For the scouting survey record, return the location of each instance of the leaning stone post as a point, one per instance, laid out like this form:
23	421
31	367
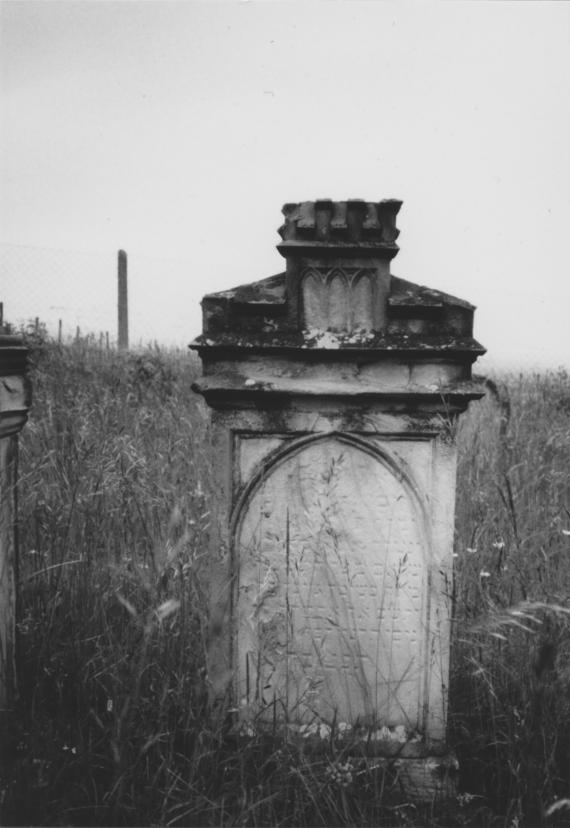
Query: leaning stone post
14	406
334	389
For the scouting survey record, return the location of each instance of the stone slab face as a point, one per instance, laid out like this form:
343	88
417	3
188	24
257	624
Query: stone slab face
330	587
332	581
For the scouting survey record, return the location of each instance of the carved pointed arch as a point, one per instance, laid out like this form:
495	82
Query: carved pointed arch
281	454
362	305
313	292
338	301
331	555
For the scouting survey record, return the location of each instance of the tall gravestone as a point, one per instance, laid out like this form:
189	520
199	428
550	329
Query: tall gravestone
14	406
334	390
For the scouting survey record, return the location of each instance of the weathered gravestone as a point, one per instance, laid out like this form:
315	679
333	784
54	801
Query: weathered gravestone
334	389
14	406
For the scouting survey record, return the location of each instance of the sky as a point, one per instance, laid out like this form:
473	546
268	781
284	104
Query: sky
177	130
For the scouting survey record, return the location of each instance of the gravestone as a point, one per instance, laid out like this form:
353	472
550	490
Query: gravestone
14	406
334	389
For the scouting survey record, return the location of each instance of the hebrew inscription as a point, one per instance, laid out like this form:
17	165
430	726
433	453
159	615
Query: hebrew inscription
331	591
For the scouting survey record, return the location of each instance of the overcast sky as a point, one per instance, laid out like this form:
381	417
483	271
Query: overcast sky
176	130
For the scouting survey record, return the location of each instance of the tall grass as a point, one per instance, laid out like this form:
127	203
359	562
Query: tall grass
510	691
112	725
112	518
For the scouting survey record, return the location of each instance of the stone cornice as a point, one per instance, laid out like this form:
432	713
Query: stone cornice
328	250
325	346
12	422
13	355
224	391
336	309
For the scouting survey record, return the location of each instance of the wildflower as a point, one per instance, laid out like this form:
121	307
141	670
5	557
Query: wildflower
340	773
472	549
484	574
109	705
465	798
247	729
400	734
498	544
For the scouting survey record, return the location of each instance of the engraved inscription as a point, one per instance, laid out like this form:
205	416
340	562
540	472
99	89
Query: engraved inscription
330	593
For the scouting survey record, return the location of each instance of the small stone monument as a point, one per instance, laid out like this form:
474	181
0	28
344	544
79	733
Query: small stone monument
14	406
334	390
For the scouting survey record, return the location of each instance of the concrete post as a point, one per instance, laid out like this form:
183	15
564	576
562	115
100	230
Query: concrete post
123	302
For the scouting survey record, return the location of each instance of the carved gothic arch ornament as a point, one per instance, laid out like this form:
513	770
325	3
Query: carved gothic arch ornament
349	275
340	298
279	456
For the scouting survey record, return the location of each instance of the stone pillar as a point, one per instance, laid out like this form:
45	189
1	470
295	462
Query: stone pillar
14	405
334	390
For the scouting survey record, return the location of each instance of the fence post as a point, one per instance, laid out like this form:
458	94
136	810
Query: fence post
123	302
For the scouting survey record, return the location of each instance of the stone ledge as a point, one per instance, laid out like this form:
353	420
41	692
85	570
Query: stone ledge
328	342
13	355
227	391
317	388
12	422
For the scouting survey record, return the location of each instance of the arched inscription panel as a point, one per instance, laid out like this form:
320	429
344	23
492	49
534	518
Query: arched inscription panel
330	594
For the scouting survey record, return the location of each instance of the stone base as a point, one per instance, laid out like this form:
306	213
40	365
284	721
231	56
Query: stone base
427	779
418	771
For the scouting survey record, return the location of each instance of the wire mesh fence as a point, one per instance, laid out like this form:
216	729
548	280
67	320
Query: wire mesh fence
71	290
